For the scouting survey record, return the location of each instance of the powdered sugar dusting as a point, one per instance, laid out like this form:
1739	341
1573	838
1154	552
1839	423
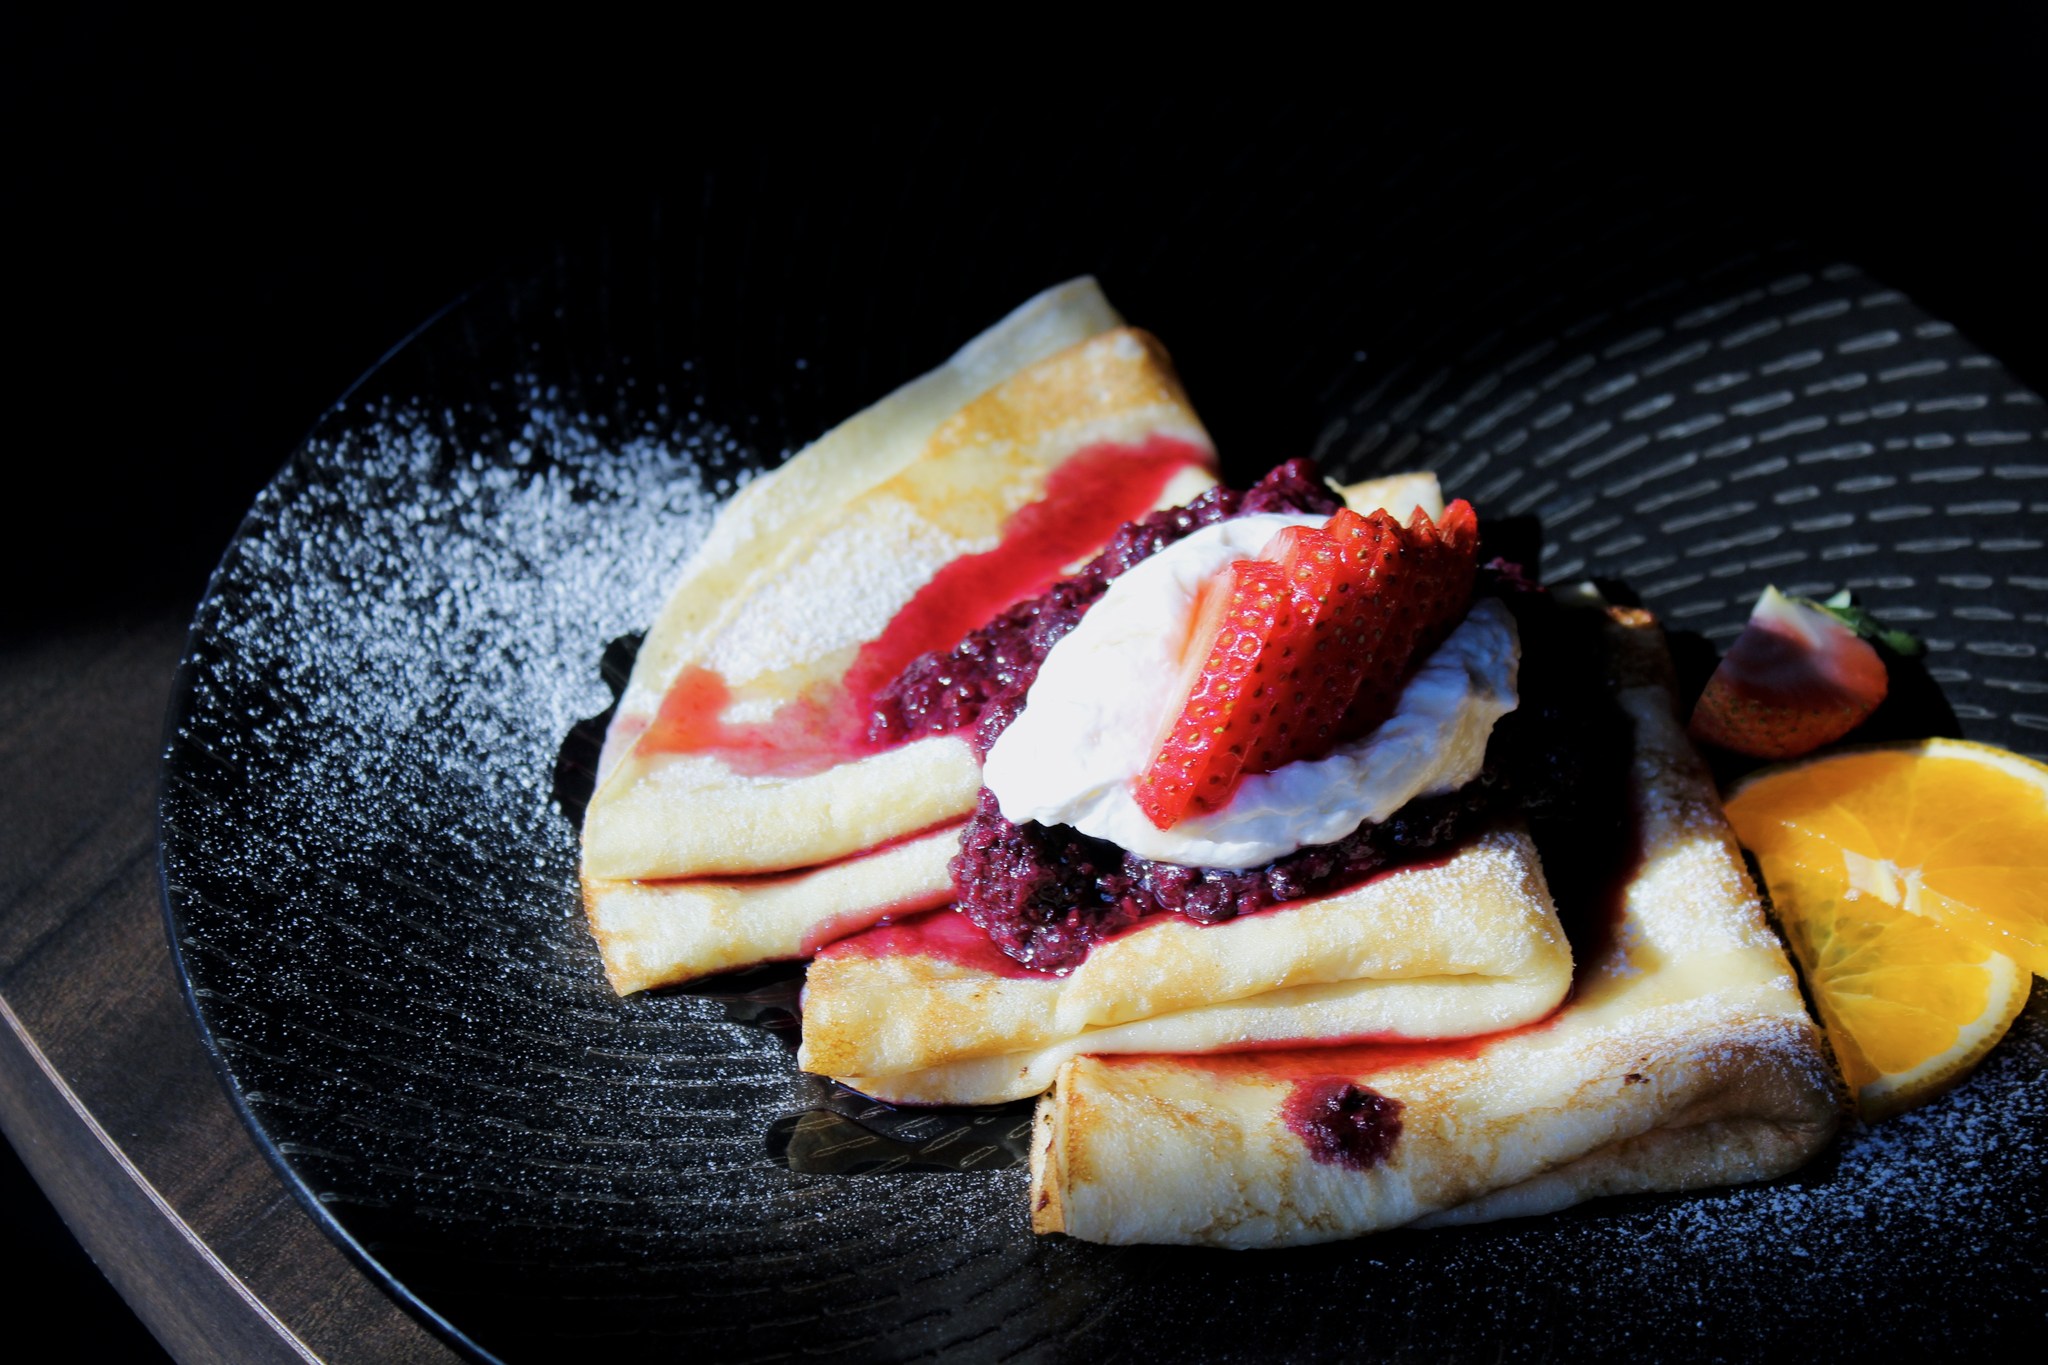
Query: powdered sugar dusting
405	552
376	906
376	901
844	595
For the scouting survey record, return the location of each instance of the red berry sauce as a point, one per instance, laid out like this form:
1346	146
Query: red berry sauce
986	675
937	934
1342	1122
1045	893
803	736
1087	498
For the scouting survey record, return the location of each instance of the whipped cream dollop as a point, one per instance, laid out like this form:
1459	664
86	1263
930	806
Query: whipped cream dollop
1093	719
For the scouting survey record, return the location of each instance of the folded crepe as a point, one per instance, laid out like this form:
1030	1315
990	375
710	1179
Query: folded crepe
1469	944
660	931
805	572
695	863
1685	1059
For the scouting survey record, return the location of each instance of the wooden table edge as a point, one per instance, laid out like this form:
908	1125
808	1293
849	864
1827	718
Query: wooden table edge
160	1265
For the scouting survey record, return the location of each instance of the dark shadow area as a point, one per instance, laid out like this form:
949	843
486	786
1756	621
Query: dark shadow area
576	762
224	235
1913	708
768	996
846	1133
49	1271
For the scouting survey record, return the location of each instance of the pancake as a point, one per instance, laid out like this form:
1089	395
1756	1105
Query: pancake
1467	945
1685	1059
788	503
662	933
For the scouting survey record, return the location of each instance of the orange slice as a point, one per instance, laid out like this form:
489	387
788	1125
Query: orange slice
1912	881
1909	1007
1954	831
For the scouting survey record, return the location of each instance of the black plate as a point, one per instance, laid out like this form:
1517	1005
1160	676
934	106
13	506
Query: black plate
372	893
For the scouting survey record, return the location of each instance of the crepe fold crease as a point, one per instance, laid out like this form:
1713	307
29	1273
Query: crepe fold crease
1685	1059
1467	944
689	861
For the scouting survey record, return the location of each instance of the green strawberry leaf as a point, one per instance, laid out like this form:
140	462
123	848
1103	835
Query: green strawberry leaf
1844	609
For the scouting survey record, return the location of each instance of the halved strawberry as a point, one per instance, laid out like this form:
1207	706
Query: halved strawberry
1224	706
1795	679
1420	579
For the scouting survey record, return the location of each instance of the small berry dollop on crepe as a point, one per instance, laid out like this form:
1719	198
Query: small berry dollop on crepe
1801	674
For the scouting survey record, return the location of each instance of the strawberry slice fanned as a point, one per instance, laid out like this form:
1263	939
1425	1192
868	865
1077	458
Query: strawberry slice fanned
1317	664
1419	586
1226	701
1305	647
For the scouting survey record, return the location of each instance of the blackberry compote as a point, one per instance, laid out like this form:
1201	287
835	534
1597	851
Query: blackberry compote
940	693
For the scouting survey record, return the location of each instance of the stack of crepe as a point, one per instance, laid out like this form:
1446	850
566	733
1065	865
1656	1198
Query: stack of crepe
695	864
1685	1059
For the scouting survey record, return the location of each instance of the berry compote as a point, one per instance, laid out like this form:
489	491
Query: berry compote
939	693
1343	1123
1045	893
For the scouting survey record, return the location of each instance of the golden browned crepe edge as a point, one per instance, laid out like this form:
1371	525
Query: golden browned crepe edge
653	934
673	932
784	503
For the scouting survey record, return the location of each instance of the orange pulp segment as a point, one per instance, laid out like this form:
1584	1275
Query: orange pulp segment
1953	831
1909	1007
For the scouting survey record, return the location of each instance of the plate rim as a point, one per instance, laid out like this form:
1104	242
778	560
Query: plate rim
178	709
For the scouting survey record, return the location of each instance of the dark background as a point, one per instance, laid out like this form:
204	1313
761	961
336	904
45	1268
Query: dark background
218	229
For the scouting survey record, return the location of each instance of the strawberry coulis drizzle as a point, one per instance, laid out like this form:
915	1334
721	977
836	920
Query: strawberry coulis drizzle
1348	1058
1086	499
940	934
853	922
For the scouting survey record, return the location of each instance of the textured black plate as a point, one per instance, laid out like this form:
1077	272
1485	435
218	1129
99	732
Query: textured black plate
372	893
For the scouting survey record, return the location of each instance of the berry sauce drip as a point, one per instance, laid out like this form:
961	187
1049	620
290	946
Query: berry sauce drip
985	676
1044	893
1087	499
1343	1123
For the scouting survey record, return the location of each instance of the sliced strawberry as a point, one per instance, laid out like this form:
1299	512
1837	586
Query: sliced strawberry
1311	674
1304	647
1795	679
1458	531
1420	580
1225	704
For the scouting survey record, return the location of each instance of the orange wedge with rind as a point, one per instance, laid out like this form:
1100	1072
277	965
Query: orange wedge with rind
1912	883
1909	1007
